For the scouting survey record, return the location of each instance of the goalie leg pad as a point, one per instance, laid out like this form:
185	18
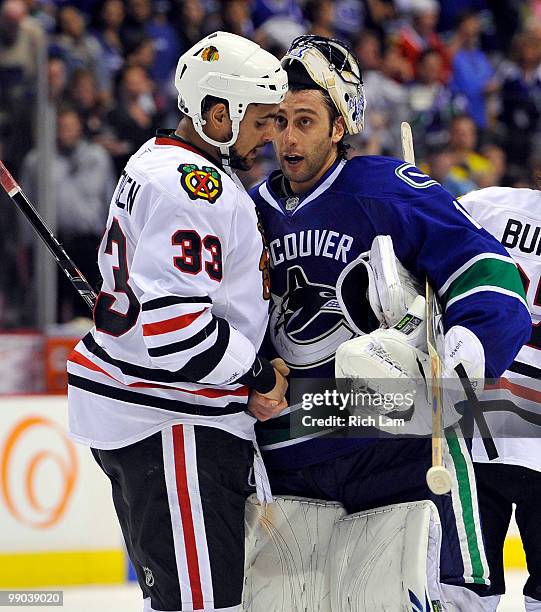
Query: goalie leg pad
287	545
386	559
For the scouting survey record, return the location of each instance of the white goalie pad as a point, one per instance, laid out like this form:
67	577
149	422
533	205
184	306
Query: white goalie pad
387	559
376	289
287	544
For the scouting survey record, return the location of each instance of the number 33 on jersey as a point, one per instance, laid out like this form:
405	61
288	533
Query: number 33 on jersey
181	226
184	295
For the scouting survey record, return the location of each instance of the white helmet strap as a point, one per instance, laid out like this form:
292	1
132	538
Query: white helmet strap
199	122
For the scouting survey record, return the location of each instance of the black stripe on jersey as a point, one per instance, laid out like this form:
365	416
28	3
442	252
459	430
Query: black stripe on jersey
202	365
183	345
196	368
171	300
133	397
131	369
525	369
498	405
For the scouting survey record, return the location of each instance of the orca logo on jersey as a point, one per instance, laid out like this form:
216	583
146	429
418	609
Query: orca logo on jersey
306	322
201	183
414	177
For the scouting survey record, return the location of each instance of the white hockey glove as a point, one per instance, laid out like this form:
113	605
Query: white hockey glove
393	362
375	289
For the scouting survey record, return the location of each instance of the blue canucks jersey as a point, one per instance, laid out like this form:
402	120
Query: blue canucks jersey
311	238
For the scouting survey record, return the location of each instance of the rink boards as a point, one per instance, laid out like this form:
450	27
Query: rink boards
57	523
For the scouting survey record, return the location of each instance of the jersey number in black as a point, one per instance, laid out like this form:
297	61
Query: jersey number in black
108	320
191	260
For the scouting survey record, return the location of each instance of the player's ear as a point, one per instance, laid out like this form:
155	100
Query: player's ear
217	118
338	130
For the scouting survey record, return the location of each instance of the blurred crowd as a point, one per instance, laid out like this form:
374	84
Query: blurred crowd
466	74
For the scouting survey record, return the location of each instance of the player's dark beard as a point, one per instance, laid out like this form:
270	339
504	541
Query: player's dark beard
236	161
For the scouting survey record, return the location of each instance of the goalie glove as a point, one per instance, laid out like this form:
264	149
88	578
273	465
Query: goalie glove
394	362
375	289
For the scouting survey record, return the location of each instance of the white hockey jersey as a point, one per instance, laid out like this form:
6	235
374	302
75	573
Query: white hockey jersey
513	411
183	306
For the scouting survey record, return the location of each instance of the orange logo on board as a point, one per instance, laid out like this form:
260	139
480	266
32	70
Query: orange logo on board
20	494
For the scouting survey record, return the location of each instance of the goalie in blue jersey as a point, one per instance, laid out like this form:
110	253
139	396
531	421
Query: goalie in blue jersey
331	224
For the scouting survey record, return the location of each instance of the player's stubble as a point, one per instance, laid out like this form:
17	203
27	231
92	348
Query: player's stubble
314	160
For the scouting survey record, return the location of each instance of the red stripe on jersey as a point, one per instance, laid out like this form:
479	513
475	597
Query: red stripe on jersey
169	325
175	142
81	360
187	517
518	390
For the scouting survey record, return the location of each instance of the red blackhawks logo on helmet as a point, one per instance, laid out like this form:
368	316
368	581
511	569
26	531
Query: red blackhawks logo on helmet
201	183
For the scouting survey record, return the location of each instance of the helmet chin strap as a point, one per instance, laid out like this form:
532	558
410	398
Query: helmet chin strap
199	122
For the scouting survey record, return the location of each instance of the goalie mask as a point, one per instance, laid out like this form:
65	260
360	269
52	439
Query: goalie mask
331	66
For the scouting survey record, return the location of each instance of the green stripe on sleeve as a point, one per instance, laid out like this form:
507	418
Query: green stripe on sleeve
486	273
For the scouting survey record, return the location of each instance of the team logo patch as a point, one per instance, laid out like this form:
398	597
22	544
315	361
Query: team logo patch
414	177
210	54
306	323
201	183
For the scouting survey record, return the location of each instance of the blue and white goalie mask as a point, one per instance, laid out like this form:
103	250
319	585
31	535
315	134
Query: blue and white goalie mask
332	66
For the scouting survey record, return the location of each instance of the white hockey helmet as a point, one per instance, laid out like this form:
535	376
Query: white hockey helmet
331	65
232	68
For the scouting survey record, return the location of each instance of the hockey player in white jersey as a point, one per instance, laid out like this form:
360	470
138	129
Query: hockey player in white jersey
513	404
159	389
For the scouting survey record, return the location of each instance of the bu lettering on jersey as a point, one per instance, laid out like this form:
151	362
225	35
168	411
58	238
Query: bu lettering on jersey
513	407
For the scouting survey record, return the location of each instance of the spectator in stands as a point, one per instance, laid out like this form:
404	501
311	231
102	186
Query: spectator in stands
146	23
78	48
263	10
166	46
420	34
353	16
237	17
497	157
86	100
320	16
190	21
20	131
431	103
133	28
469	165
387	98
57	79
135	118
520	98
473	74
450	12
83	183
141	52
111	18
20	38
440	162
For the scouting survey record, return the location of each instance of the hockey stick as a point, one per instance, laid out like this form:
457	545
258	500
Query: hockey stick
435	328
438	478
75	276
